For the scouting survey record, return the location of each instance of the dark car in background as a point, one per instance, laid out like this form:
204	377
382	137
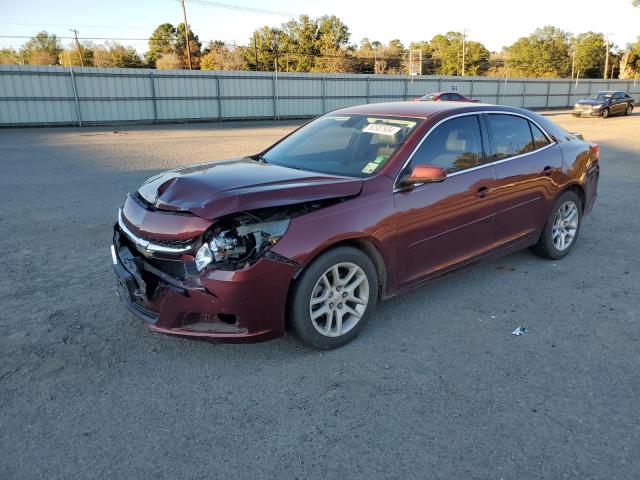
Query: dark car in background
445	97
353	207
603	104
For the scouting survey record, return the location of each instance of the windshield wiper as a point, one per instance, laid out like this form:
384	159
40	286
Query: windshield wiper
258	158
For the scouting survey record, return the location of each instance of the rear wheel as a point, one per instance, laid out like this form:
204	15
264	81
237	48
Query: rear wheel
628	110
605	112
561	230
334	298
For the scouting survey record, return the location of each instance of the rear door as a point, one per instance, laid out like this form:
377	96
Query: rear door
528	172
443	224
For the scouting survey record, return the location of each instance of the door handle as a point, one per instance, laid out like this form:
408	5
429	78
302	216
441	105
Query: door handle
482	192
547	170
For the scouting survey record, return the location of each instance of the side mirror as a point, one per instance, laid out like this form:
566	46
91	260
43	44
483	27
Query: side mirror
423	174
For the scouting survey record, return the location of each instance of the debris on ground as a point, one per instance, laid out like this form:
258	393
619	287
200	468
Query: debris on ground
521	330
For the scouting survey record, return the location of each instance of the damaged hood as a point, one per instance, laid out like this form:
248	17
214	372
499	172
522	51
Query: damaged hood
216	189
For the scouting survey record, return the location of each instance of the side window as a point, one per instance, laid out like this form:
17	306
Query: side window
455	145
445	97
510	134
539	139
454	97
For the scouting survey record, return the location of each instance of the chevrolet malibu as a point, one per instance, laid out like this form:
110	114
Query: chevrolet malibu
603	104
352	208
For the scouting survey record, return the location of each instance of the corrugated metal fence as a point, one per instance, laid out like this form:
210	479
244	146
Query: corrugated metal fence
31	95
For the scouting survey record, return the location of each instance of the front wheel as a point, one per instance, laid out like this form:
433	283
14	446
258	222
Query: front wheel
628	110
333	298
605	113
561	229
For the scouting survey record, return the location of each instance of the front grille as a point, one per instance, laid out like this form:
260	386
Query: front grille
148	246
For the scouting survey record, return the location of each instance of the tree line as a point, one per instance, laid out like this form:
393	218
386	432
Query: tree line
323	45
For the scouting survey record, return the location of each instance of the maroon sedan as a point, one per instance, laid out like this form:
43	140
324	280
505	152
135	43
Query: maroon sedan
445	97
351	208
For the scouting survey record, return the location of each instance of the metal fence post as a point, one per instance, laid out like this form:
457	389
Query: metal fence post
368	89
218	95
569	95
548	91
324	98
153	97
524	93
75	91
439	84
274	84
471	92
498	94
406	89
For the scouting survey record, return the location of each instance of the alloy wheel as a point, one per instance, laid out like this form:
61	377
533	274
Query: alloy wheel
605	113
339	299
565	225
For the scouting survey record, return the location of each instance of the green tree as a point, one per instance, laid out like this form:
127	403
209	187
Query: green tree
72	53
630	60
260	55
43	49
169	61
114	55
544	53
162	41
9	56
218	56
195	46
302	45
590	51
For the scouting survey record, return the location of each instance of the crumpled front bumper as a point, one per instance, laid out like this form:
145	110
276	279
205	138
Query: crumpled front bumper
247	304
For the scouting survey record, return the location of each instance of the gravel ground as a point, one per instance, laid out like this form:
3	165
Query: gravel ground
436	386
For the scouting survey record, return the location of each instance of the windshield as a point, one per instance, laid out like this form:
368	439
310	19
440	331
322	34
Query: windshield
430	96
349	145
599	96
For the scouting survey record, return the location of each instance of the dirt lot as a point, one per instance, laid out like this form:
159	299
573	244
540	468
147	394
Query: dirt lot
436	387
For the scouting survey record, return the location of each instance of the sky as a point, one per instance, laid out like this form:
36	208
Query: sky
494	23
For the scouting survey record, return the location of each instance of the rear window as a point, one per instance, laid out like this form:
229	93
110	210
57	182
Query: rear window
539	138
510	134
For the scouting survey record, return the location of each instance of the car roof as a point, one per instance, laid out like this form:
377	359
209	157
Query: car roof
609	91
411	109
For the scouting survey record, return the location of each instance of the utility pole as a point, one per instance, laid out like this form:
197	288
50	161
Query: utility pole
186	33
606	61
75	32
464	38
255	50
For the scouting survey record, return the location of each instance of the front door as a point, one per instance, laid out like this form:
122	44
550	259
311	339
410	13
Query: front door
443	224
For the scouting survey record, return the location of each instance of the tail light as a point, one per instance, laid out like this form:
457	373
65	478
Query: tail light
595	150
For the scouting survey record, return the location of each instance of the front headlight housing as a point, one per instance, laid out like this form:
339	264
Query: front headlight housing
596	107
240	243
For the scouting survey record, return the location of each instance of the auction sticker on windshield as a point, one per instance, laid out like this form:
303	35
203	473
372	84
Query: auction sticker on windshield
381	129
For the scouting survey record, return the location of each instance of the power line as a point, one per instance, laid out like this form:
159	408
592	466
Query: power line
239	8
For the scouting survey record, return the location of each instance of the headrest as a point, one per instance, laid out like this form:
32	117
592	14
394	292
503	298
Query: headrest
455	143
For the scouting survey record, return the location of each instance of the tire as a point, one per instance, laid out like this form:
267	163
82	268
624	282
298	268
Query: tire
317	289
550	244
605	113
628	110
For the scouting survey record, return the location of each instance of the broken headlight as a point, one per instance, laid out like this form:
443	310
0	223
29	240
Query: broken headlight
241	243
